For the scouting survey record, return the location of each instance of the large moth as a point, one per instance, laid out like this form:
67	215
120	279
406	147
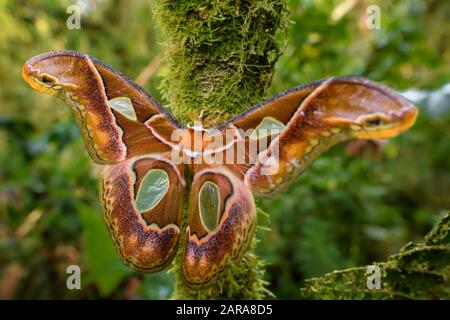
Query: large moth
143	189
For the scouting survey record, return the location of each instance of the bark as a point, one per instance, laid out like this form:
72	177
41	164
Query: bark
220	56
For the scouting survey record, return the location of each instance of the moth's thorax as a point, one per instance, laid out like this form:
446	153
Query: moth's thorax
196	143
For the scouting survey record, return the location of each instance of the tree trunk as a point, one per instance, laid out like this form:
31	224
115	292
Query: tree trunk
220	56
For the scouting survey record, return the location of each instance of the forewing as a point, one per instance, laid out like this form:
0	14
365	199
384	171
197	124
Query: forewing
311	119
117	119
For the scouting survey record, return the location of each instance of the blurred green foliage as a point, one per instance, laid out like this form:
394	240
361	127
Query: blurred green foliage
359	203
418	271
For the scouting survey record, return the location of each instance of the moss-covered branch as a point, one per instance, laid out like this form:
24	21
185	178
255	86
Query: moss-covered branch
419	271
220	56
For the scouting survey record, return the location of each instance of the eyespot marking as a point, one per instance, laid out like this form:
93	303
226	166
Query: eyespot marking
46	80
373	122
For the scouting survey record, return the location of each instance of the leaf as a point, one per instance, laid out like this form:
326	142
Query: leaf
106	271
317	250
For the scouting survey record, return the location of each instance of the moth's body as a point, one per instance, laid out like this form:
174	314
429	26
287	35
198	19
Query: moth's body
153	162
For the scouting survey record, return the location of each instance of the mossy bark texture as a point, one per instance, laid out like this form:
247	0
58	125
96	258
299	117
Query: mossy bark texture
419	271
220	56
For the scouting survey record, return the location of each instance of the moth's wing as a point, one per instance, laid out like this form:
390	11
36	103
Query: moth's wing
117	119
142	201
314	117
222	219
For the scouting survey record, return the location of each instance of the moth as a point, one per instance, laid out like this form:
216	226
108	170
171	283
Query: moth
143	189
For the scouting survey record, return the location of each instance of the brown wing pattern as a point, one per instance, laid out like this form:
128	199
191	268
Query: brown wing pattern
142	190
217	236
316	117
145	229
113	113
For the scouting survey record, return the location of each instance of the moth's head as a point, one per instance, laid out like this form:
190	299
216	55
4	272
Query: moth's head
53	71
368	110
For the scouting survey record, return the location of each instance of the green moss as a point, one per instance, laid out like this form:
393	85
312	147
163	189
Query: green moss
242	280
220	55
419	271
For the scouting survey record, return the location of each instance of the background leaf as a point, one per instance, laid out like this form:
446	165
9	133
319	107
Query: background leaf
105	268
